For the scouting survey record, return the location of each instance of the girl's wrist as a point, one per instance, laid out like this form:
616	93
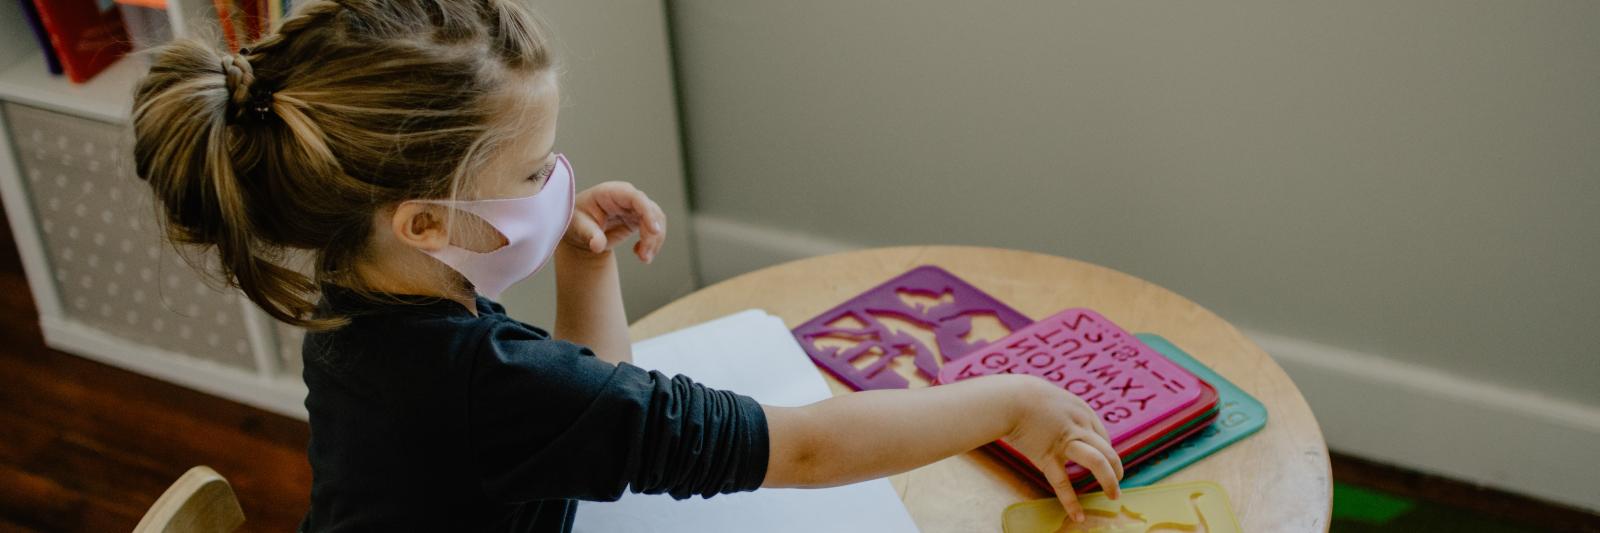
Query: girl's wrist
1023	395
573	255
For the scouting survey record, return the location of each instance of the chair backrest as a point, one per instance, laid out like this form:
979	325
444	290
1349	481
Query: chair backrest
199	501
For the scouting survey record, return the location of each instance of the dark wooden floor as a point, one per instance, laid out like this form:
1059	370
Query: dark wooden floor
88	447
1481	501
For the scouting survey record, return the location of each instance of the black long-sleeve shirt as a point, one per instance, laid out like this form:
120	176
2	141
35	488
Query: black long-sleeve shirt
427	418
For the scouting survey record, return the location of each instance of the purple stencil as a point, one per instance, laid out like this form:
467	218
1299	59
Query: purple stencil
927	297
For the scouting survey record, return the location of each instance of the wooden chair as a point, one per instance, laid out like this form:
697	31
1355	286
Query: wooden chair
199	501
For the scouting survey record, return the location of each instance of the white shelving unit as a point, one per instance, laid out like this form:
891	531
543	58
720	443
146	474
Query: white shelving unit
106	98
103	103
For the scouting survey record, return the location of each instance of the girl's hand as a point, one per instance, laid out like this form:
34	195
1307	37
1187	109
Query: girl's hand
1056	426
606	214
869	434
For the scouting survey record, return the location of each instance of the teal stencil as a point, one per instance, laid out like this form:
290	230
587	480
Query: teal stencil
1239	415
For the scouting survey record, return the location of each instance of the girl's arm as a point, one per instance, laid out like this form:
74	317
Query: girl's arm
589	308
588	294
873	434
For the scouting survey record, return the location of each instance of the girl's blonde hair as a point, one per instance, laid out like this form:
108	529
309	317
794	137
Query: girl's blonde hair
293	143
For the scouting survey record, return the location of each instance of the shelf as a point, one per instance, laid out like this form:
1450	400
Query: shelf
106	97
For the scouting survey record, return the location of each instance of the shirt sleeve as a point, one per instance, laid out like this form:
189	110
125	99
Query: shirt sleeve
549	420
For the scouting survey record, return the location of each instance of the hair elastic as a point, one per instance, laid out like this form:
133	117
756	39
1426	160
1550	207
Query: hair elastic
241	78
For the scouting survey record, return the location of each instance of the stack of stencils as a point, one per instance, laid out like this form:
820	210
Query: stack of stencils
1149	399
1146	402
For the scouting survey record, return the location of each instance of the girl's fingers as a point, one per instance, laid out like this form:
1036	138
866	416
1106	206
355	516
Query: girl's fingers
1085	454
1087	417
624	209
1101	429
1090	418
1056	474
639	210
657	217
649	242
587	232
620	227
1109	451
617	233
654	231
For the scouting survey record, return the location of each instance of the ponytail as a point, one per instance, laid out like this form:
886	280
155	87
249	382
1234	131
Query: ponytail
192	105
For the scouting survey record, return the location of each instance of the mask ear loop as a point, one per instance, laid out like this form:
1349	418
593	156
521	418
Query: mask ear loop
529	243
455	207
452	215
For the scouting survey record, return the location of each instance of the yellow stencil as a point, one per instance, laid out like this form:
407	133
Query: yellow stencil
1194	507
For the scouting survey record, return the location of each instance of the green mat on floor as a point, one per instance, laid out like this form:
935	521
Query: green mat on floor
1361	510
1366	505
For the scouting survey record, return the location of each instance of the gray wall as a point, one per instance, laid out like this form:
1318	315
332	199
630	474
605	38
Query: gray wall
1415	179
619	122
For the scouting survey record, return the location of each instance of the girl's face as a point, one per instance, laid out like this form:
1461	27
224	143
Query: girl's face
523	162
520	165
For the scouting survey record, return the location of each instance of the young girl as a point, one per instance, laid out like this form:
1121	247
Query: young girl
406	148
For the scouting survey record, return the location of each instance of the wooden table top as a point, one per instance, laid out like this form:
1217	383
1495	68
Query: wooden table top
1278	479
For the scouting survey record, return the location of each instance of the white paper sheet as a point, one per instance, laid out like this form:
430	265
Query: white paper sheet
750	353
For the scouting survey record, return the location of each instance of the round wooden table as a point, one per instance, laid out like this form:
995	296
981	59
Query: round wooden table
1278	479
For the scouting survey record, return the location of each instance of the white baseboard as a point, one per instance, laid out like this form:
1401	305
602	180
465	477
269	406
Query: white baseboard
1431	420
1368	405
282	395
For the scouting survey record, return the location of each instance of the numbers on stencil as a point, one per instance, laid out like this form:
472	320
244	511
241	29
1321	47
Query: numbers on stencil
1077	321
1117	415
1124	352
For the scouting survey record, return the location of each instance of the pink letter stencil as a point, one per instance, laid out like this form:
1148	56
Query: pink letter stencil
1129	384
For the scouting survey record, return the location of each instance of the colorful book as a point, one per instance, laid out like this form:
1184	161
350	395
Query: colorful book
87	37
31	12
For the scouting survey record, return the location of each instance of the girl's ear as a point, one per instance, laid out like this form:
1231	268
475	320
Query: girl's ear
420	225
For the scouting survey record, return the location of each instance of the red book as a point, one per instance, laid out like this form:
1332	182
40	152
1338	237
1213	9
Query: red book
243	21
230	21
87	38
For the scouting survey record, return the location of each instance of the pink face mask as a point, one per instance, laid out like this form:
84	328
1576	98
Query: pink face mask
532	225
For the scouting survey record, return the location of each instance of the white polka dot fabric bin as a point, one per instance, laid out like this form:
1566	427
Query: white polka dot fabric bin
110	266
